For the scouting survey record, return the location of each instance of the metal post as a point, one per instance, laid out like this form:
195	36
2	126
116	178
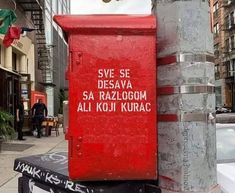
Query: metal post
186	102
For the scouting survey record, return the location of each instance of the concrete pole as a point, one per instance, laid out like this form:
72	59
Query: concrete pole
50	100
8	58
186	102
23	64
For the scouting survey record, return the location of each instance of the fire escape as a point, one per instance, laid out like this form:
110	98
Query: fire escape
36	7
229	46
229	31
229	28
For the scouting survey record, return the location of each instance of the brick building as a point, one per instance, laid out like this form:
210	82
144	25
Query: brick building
224	48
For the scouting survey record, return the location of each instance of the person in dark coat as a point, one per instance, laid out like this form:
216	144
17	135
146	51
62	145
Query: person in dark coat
39	112
20	118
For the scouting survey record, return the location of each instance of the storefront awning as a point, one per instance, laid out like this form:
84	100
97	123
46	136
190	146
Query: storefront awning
10	71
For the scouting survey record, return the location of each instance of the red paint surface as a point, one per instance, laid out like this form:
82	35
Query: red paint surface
168	118
165	90
35	95
118	144
167	60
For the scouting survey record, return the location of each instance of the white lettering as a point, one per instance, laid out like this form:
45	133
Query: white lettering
105	107
52	179
84	107
29	170
114	84
135	107
70	185
125	95
124	73
106	73
88	95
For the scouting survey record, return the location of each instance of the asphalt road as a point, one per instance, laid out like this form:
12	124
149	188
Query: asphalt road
225	118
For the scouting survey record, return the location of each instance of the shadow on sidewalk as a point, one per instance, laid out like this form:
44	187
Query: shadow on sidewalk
15	147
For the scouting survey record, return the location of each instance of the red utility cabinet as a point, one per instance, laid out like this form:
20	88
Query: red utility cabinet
112	97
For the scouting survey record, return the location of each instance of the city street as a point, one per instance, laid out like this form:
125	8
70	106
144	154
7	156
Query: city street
34	146
146	90
226	156
31	146
225	118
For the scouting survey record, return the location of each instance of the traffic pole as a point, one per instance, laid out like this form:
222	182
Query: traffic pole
186	101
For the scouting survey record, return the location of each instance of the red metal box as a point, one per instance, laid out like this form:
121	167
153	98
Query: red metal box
112	96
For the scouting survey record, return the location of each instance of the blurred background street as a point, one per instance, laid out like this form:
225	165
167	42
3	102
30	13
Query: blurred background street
16	149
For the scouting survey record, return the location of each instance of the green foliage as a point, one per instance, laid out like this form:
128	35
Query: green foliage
62	97
6	125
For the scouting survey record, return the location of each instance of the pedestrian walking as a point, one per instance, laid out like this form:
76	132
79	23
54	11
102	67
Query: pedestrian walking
39	112
20	118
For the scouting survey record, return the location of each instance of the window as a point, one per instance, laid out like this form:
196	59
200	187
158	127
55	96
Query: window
227	45
64	10
14	58
227	22
216	50
48	15
48	6
54	6
216	29
65	3
68	7
227	64
231	18
217	74
215	9
232	42
233	65
60	7
216	68
230	67
218	96
216	46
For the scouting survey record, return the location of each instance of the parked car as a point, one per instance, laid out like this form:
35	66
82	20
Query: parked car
226	157
219	110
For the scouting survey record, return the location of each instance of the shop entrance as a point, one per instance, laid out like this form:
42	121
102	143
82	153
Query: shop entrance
9	91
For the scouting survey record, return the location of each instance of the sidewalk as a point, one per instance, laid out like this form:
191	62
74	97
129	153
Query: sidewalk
31	146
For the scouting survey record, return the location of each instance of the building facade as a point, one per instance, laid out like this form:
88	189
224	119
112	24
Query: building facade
17	64
51	49
57	47
224	48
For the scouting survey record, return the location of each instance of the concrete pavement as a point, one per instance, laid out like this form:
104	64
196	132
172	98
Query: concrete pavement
9	178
